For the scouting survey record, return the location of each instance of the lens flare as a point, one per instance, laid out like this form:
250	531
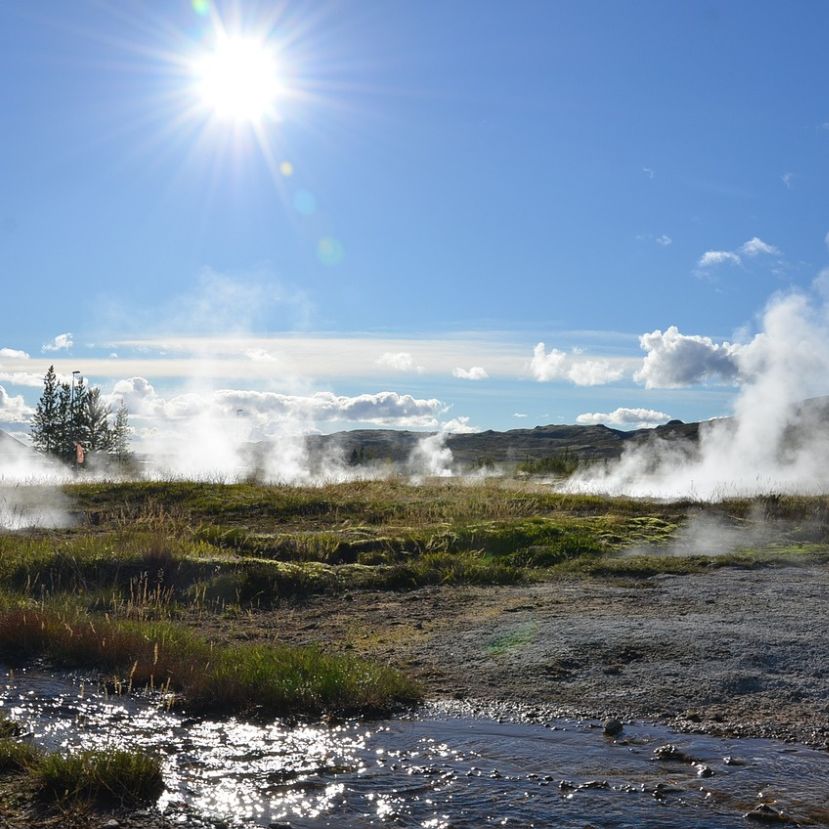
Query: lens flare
239	80
330	251
286	168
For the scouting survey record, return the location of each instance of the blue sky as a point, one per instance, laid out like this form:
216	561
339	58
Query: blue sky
467	180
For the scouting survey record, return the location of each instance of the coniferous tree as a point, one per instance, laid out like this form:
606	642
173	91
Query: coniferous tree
93	422
121	434
67	416
47	425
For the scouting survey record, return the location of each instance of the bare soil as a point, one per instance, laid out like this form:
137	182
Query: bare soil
731	651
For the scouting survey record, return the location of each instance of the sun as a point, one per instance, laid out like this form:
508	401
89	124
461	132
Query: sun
238	80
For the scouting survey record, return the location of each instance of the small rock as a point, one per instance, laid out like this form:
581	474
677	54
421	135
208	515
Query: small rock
612	727
765	814
111	824
671	752
704	771
733	761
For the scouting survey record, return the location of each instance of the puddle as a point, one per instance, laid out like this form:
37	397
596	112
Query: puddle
436	770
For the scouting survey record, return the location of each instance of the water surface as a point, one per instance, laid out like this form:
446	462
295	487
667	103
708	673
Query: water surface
436	770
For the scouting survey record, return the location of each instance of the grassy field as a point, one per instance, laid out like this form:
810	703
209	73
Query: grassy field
122	590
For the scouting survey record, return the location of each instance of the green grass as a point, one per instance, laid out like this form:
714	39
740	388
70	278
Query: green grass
239	679
17	757
110	777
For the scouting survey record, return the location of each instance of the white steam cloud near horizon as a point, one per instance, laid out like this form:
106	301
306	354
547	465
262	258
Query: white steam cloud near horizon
772	444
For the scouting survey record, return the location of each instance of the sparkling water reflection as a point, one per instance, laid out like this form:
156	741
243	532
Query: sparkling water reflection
435	770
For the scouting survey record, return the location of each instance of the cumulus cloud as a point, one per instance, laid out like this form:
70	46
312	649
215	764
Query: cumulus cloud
560	365
398	361
787	179
674	359
756	246
13	409
473	373
62	342
718	257
664	240
268	410
625	418
13	354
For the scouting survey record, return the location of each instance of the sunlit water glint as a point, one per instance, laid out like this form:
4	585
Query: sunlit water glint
436	770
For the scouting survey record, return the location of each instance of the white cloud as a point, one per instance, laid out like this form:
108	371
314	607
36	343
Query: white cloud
787	179
62	342
624	417
648	172
269	409
718	257
13	354
259	355
398	361
26	378
473	373
458	426
559	365
674	360
519	415
664	240
756	246
13	409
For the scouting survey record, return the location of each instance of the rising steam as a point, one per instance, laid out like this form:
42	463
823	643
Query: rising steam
775	442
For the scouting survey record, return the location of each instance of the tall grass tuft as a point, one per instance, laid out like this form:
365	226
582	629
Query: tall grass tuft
240	679
125	778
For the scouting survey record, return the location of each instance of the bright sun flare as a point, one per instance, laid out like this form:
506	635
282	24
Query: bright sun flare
239	80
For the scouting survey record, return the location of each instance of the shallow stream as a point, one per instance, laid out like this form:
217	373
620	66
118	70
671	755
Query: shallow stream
439	769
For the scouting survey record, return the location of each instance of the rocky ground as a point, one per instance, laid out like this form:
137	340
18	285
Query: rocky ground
730	651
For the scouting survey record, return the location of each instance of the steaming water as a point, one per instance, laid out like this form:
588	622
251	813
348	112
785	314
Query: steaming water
434	771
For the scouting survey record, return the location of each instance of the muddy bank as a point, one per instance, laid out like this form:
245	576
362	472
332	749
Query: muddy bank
730	652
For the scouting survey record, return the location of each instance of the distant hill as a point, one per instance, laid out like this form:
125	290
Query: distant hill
515	446
518	446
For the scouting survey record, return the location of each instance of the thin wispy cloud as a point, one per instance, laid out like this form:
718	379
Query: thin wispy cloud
648	172
752	248
788	180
